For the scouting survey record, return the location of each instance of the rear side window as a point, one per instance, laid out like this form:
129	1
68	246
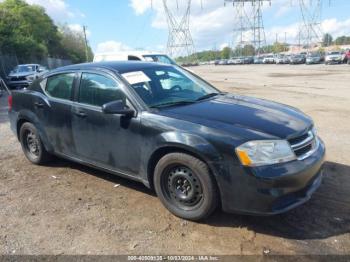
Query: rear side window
98	90
60	86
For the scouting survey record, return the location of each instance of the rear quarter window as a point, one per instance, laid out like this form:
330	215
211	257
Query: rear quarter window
60	86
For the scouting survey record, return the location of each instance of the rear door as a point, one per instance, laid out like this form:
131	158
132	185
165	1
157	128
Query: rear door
105	140
56	111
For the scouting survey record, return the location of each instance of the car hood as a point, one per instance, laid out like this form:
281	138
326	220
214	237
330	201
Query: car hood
225	111
21	74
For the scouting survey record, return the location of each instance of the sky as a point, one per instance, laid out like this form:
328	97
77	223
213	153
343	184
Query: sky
115	25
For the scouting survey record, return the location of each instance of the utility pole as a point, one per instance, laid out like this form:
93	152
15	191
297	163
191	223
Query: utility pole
86	45
285	41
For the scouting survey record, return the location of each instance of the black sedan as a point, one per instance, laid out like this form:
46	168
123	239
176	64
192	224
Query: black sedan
161	125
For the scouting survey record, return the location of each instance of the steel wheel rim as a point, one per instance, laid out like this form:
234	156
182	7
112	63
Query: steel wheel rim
182	187
32	144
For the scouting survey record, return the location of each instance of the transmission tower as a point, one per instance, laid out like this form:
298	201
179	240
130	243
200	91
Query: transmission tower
310	30
180	41
250	24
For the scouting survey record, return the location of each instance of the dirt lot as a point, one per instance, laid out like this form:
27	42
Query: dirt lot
66	208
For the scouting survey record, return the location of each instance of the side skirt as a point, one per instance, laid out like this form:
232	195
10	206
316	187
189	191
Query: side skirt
108	170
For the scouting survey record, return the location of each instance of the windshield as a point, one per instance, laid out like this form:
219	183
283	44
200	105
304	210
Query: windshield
24	68
334	53
168	85
160	58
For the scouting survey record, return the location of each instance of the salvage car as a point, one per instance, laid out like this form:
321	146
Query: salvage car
258	60
197	147
314	58
23	75
282	59
297	59
269	59
334	57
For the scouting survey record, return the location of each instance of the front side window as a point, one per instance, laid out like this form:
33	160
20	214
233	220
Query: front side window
167	85
97	90
60	86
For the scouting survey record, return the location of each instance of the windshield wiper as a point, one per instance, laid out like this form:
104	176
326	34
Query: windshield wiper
176	103
207	96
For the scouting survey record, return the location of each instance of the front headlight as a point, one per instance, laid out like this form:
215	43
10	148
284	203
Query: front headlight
265	152
30	78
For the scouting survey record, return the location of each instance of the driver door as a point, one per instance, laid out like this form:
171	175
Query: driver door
105	140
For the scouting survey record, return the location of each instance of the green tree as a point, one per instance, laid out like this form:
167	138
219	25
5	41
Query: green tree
327	40
342	40
74	44
27	31
226	52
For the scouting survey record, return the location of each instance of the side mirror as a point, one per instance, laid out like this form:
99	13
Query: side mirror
117	107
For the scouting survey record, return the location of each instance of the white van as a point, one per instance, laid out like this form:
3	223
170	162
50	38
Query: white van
134	55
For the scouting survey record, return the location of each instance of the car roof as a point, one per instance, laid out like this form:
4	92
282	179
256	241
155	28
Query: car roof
120	66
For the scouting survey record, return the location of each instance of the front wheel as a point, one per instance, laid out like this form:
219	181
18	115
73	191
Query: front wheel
32	145
185	186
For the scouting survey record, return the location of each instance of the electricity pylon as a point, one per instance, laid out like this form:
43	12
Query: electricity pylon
250	24
180	43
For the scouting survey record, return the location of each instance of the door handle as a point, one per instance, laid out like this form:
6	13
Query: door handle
80	114
38	104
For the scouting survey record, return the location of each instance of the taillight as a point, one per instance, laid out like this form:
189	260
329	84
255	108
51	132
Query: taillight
9	101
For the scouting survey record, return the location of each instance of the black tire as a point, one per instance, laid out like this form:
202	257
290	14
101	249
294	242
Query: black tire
32	145
185	186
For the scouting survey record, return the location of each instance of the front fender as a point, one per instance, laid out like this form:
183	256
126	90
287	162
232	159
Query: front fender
172	141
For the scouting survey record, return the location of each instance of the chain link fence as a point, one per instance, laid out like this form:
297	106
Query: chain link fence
8	62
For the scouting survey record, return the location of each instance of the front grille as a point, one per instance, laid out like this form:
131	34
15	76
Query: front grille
19	78
304	145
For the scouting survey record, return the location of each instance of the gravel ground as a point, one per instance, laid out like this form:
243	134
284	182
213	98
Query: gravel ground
66	208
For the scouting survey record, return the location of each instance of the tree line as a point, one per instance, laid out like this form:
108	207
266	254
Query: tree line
228	52
29	33
249	50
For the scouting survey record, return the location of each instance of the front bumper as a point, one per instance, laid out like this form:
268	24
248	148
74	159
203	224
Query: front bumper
274	189
334	61
19	84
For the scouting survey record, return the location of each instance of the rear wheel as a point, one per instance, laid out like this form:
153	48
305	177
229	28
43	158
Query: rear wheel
32	145
185	186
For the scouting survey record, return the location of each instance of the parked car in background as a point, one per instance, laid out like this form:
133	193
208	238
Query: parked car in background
238	60
258	60
163	126
282	59
223	62
248	60
269	59
23	75
334	57
314	58
297	59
